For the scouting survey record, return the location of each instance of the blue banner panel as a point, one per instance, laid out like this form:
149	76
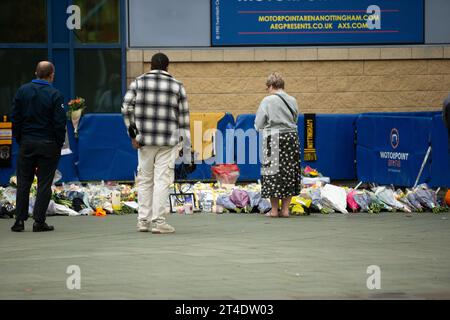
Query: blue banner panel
6	173
66	166
440	169
223	147
390	150
202	172
68	163
309	22
246	148
224	144
335	136
104	149
427	114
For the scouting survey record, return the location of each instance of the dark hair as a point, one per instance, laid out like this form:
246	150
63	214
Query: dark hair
160	62
44	69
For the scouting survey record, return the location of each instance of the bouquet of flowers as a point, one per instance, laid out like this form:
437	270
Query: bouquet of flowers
310	172
76	107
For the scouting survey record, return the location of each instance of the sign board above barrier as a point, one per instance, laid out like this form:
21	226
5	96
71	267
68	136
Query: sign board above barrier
311	22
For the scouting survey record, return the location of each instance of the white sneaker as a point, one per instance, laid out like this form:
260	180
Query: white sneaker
143	226
162	228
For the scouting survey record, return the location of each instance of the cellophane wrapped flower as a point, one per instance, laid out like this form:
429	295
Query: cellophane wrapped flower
76	107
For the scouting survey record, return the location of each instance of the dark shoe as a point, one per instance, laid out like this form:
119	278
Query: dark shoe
19	226
42	227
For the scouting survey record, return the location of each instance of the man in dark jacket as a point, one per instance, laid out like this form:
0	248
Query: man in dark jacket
446	117
39	127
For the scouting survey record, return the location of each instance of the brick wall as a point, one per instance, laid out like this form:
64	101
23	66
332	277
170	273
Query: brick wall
336	80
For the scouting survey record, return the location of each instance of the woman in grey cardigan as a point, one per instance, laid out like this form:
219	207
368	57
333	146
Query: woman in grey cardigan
277	118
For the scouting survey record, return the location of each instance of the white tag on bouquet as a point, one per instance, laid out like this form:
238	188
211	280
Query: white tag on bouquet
65	150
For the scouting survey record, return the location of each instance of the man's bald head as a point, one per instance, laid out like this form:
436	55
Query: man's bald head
45	70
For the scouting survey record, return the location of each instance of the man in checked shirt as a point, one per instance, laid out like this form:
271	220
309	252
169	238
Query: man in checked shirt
156	114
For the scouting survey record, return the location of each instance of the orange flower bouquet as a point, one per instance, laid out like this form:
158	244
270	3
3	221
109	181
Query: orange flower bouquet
99	212
76	107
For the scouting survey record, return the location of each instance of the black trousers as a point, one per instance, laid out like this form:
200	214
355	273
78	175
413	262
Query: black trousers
38	158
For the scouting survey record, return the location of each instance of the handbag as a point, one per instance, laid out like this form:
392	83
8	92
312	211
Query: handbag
288	106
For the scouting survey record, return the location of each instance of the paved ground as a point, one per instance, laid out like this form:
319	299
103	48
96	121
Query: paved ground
231	256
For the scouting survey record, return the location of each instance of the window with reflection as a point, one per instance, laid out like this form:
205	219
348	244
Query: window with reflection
100	21
18	67
98	79
23	21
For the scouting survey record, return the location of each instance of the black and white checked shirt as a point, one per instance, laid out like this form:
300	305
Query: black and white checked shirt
155	109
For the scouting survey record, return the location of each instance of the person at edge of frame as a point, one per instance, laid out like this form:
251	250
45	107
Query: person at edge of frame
39	128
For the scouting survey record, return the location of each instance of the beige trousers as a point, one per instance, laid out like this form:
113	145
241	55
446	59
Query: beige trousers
155	174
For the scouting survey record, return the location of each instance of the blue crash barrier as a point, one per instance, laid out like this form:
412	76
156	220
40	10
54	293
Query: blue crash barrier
222	143
66	164
6	173
246	150
335	137
105	152
404	114
104	149
390	150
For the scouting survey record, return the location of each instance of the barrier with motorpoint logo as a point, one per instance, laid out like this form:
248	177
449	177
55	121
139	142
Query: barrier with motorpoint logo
391	149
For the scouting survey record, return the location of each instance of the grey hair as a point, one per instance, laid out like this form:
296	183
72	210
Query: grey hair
275	80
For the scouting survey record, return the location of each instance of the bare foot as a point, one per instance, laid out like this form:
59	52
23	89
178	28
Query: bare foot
273	214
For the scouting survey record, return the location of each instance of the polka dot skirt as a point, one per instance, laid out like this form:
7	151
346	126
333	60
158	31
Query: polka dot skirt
280	170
